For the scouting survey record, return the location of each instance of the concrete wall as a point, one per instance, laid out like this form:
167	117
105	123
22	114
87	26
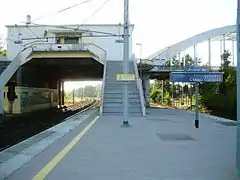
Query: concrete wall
30	99
114	50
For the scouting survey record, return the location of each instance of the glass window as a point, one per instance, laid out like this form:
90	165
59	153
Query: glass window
71	40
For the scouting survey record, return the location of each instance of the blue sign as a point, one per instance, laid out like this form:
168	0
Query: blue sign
196	76
18	42
195	69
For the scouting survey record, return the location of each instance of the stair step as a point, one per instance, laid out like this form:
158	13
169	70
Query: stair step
114	104
120	100
113	91
117	96
121	90
117	110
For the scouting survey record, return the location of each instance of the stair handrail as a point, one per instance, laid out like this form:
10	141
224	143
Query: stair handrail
139	86
103	85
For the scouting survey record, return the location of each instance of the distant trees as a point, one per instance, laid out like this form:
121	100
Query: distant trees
88	91
218	98
225	59
2	51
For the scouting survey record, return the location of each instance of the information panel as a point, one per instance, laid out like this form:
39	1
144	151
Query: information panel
125	77
196	76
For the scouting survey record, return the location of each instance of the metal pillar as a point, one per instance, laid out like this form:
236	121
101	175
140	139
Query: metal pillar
62	84
140	58
179	58
59	93
172	93
221	48
184	58
209	52
146	85
224	42
73	97
162	92
196	90
2	101
238	88
182	100
126	58
233	52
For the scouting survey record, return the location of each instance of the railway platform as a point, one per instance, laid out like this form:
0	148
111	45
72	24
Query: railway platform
163	145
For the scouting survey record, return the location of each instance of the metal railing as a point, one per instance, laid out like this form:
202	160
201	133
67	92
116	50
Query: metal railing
181	68
52	47
139	86
145	62
103	86
100	52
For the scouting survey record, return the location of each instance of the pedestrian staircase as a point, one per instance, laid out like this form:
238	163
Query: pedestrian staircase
113	103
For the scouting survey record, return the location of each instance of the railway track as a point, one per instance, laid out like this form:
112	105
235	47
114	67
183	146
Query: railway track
15	129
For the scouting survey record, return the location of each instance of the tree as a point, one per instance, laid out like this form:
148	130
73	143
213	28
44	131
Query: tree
2	51
220	98
188	60
225	59
90	91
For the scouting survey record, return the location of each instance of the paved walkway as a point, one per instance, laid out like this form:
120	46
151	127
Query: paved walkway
164	145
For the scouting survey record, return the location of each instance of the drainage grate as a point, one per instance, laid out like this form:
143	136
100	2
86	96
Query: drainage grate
175	137
225	123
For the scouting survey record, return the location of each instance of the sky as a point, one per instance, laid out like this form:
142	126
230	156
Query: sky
158	23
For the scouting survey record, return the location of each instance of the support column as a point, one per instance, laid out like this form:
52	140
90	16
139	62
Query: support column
238	88
196	90
2	101
179	58
59	93
62	84
233	52
172	94
224	42
209	52
19	77
162	91
221	48
146	88
184	59
126	59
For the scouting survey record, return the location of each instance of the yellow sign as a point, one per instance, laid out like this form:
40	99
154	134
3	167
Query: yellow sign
125	77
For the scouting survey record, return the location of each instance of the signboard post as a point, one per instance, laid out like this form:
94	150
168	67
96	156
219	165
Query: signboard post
126	59
196	77
238	87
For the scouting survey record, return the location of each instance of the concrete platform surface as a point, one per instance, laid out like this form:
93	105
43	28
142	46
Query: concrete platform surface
164	145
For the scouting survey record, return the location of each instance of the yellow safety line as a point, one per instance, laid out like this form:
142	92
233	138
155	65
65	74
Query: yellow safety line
49	167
